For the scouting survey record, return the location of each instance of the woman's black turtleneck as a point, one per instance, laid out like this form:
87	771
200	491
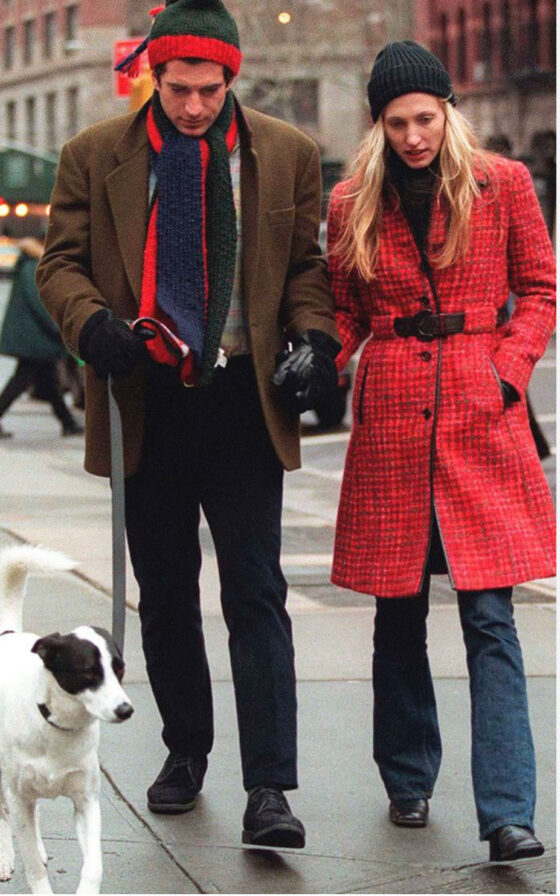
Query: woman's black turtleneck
416	188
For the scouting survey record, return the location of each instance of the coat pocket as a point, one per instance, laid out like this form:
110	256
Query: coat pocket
498	382
361	394
281	217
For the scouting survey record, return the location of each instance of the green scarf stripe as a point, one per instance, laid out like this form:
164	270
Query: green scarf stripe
221	237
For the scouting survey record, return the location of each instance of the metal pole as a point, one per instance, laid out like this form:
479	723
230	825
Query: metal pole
117	519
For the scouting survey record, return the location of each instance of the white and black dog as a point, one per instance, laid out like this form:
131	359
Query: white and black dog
53	690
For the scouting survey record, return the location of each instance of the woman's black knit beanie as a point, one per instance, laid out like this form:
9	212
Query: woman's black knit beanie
406	67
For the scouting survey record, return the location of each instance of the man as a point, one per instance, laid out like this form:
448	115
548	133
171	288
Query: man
201	217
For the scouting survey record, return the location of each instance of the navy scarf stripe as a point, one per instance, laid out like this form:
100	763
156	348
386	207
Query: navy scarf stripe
180	260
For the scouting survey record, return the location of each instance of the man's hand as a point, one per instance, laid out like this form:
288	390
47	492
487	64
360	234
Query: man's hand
307	375
110	345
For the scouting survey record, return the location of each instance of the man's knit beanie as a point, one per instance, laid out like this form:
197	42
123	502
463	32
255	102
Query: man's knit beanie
201	28
406	67
189	28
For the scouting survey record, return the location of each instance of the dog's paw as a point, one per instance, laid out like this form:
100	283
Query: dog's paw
6	865
7	856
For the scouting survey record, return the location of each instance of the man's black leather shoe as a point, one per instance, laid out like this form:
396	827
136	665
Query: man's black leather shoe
513	842
409	813
268	820
178	784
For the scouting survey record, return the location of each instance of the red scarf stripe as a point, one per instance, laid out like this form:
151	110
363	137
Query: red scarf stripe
154	136
177	46
148	306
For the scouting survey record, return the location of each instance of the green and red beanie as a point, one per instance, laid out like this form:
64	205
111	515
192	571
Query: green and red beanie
201	28
189	28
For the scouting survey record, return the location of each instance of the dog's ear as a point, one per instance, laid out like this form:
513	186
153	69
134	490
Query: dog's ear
48	647
117	661
118	668
112	646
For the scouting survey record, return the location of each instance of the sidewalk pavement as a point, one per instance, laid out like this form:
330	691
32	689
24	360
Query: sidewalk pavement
351	846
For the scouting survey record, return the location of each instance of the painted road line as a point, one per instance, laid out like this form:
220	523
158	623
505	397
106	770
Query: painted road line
326	439
332	475
306	560
546	363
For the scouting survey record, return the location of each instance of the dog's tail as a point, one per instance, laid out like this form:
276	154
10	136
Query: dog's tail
15	564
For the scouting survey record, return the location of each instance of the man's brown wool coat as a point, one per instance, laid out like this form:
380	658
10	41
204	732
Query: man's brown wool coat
94	254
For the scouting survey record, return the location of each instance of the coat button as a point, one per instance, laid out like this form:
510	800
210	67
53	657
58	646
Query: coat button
426	356
426	413
425	301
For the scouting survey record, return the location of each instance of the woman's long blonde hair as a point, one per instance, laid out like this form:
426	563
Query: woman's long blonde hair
462	162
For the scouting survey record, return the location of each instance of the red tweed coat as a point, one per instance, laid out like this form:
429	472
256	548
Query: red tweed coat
429	425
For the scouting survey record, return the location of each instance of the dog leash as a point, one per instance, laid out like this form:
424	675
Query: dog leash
117	519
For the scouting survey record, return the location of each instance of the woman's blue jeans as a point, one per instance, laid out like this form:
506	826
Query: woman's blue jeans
407	744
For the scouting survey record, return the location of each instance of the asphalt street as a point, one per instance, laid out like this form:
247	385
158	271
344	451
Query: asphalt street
45	497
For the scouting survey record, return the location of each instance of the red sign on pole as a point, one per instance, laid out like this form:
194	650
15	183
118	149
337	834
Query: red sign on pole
121	49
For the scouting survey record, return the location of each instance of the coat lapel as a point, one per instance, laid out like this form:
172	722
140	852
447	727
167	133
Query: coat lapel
127	189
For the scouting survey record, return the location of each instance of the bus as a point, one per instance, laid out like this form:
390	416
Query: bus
26	181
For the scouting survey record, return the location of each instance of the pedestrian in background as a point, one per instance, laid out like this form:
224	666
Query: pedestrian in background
232	271
30	335
426	239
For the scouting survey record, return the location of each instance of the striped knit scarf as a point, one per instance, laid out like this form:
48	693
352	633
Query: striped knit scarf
189	256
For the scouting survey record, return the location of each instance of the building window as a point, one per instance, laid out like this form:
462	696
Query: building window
49	34
72	124
506	39
533	35
28	41
461	46
71	30
443	40
486	43
11	120
296	100
30	121
9	47
50	115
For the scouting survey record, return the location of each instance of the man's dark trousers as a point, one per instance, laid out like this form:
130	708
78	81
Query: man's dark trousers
209	447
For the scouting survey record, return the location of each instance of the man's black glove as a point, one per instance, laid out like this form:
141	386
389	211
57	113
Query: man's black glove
509	393
111	346
307	374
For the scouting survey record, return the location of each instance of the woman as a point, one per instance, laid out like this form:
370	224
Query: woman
31	336
427	238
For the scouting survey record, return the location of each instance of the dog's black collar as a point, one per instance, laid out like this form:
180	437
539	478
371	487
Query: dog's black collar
46	713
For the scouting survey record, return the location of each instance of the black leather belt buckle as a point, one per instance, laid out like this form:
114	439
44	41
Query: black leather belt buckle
424	325
427	326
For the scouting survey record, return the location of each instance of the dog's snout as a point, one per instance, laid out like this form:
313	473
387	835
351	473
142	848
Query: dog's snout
124	711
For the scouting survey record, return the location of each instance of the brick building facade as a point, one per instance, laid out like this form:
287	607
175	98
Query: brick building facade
501	55
55	72
304	60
